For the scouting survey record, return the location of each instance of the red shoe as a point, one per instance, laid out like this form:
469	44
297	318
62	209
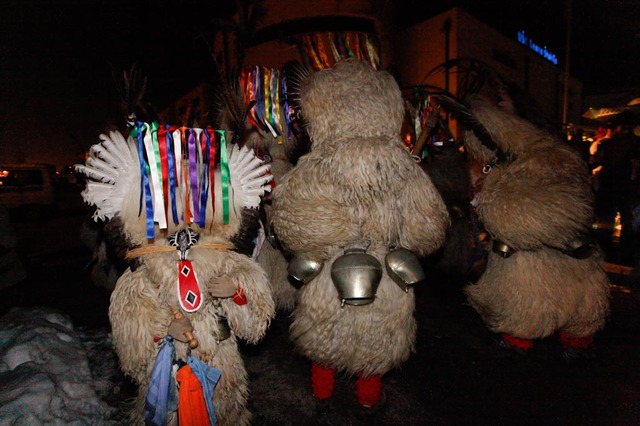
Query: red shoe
368	390
569	341
577	349
511	342
322	381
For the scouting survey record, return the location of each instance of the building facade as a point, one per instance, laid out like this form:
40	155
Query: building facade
456	34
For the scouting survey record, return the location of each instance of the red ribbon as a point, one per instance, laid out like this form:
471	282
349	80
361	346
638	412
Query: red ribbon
249	94
321	51
311	53
212	170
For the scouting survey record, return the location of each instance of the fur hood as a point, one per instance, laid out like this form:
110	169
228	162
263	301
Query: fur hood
352	98
511	133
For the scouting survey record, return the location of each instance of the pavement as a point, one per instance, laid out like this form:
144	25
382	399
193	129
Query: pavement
457	375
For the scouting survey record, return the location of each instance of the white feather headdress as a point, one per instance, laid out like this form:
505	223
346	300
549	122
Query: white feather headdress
112	167
249	176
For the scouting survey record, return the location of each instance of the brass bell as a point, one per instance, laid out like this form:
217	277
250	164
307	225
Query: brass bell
356	275
404	268
502	249
304	270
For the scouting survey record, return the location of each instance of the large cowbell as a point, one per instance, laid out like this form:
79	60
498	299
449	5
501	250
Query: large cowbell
356	275
303	270
404	268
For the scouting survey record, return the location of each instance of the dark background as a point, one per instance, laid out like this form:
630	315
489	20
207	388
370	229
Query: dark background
57	57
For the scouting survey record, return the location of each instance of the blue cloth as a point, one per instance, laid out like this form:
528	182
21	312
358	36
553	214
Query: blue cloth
208	378
162	397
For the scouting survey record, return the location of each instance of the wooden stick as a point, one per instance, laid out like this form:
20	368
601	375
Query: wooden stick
192	341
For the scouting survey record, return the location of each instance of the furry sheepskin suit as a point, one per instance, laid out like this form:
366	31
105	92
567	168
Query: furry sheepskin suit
357	186
140	311
539	203
145	299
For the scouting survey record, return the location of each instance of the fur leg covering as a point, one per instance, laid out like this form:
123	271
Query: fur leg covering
368	389
516	342
569	341
322	381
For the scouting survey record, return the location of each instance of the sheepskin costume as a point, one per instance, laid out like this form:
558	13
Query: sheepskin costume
357	186
146	299
545	273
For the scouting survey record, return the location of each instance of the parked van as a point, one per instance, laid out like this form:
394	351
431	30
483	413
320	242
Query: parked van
29	186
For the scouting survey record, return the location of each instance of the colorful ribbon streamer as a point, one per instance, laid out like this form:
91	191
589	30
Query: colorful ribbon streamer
182	184
224	176
344	45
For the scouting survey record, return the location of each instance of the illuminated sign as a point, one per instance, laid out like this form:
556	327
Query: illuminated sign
542	51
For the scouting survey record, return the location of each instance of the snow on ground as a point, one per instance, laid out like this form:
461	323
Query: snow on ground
46	371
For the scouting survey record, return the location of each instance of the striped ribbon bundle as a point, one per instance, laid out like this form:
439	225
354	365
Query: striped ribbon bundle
177	169
342	45
423	109
265	87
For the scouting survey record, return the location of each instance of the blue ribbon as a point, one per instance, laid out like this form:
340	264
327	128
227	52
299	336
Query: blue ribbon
286	105
172	174
259	107
145	188
162	397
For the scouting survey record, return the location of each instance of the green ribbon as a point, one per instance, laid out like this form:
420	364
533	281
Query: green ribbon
224	176
154	126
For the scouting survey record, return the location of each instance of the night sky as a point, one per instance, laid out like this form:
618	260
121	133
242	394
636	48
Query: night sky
57	56
58	59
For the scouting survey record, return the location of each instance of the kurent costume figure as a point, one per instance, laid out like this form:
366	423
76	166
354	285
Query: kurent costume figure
355	202
545	273
187	295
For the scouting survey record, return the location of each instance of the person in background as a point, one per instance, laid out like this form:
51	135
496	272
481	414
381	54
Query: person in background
618	164
595	155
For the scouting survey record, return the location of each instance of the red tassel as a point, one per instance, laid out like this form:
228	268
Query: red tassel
322	381
368	389
239	297
517	342
569	341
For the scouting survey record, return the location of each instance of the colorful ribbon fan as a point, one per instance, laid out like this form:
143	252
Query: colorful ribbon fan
264	86
427	119
341	46
176	169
